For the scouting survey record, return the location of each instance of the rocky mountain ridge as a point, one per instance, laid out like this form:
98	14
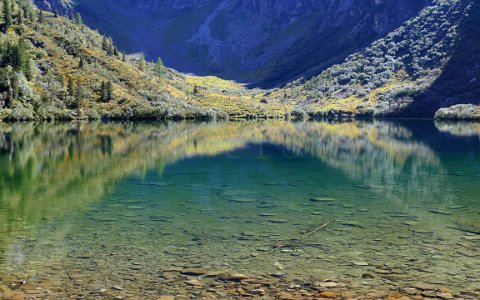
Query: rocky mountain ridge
264	43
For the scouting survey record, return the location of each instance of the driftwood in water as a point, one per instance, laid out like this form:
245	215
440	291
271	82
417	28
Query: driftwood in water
303	237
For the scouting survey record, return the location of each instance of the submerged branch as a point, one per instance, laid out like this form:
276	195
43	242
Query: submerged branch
303	237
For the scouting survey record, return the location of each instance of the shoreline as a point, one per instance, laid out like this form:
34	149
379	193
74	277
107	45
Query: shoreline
193	283
238	118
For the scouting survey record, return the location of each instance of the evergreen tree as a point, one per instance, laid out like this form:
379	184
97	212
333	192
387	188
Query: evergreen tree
41	17
70	87
22	55
107	45
110	46
78	97
81	63
109	91
26	10
104	44
78	19
102	92
6	85
7	13
159	67
55	13
15	86
28	69
17	56
20	17
142	65
106	91
61	92
31	13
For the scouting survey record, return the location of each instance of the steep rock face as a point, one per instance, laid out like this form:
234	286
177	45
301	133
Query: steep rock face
158	4
63	6
264	42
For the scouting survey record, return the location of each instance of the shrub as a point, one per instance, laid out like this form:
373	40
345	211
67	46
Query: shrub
459	112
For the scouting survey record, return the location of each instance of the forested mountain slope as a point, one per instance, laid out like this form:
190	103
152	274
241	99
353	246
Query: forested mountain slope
460	78
266	43
55	68
431	61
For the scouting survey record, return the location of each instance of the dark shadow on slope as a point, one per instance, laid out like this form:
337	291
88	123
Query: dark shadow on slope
167	31
318	51
309	56
460	79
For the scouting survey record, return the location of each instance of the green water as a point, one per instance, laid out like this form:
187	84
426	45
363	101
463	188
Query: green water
98	205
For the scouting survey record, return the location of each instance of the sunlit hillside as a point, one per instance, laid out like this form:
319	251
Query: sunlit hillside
55	68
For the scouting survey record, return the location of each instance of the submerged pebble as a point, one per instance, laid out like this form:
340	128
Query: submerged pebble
193	271
322	199
277	221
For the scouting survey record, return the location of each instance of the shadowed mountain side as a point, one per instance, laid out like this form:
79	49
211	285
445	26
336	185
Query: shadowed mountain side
266	43
459	81
392	76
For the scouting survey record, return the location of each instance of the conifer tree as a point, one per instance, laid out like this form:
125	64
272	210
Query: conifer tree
31	13
26	10
40	16
78	19
109	90
105	44
7	14
22	55
159	67
70	87
106	91
142	65
20	17
15	86
17	55
78	96
110	46
102	92
28	69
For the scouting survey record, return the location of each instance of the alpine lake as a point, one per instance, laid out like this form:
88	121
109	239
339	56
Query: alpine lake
240	210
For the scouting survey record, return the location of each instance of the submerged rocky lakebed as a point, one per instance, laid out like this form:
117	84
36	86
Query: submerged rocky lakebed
247	209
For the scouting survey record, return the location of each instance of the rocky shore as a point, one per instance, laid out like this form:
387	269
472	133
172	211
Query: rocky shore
199	283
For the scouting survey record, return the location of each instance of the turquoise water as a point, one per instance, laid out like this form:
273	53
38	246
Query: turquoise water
91	206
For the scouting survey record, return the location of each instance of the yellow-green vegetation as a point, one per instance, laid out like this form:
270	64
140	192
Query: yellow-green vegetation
233	98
